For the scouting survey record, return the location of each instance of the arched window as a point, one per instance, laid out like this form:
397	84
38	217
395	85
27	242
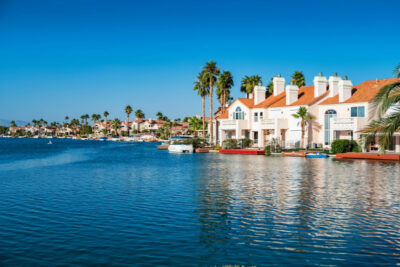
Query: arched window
328	115
238	114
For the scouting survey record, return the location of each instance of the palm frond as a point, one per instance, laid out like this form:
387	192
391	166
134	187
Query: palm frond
396	71
387	96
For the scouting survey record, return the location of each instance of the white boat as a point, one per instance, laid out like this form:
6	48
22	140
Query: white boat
115	139
129	139
180	148
36	136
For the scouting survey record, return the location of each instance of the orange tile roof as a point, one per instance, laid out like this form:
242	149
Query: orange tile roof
305	97
224	115
271	99
247	102
364	92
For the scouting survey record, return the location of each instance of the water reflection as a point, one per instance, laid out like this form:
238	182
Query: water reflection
286	205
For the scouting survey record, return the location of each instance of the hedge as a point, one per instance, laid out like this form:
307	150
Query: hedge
343	146
229	144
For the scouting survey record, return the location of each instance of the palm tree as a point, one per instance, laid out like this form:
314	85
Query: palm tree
86	118
224	83
13	124
105	116
116	124
195	124
34	122
200	85
128	111
95	118
210	73
386	105
82	119
298	79
270	86
248	84
159	115
139	114
302	114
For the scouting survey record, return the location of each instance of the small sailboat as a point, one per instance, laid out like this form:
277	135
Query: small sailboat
50	143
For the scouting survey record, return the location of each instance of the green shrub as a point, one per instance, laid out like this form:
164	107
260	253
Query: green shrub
246	142
343	146
267	150
229	144
217	148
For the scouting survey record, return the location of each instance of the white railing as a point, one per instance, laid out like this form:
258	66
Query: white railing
228	124
268	123
352	123
280	123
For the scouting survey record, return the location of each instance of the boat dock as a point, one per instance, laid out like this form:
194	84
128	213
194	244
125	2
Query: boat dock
374	156
242	151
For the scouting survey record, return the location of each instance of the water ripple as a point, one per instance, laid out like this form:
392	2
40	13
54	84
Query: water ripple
85	203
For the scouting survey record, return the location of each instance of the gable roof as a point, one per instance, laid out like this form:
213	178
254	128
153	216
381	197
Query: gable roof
271	99
247	102
364	92
305	97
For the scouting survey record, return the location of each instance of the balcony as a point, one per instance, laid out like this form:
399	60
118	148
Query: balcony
351	123
234	124
271	124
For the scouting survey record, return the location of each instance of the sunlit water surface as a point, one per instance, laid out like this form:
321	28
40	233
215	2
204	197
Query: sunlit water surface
86	202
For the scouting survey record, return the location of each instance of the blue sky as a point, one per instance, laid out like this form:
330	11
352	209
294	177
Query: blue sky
61	58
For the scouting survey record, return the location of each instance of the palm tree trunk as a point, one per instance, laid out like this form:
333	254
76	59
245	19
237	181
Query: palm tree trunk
211	114
302	133
203	100
127	123
224	101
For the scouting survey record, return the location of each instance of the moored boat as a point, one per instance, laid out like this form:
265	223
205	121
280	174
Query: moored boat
316	155
180	145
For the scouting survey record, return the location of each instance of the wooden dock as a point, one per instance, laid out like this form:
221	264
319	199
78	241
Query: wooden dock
374	156
300	153
242	151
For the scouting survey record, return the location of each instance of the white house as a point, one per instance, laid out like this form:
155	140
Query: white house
339	109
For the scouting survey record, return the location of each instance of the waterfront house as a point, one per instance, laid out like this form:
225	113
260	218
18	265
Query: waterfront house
339	109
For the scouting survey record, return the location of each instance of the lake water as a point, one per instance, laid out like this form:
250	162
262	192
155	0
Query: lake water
88	202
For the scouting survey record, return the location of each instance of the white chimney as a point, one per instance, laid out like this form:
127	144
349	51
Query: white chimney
319	85
251	96
279	84
334	85
259	94
345	87
292	91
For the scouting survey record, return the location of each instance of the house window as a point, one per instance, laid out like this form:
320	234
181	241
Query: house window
238	114
327	129
261	115
255	117
357	111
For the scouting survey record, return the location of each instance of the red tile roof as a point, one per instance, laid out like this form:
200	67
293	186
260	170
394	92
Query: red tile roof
305	97
247	102
364	92
271	99
224	115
